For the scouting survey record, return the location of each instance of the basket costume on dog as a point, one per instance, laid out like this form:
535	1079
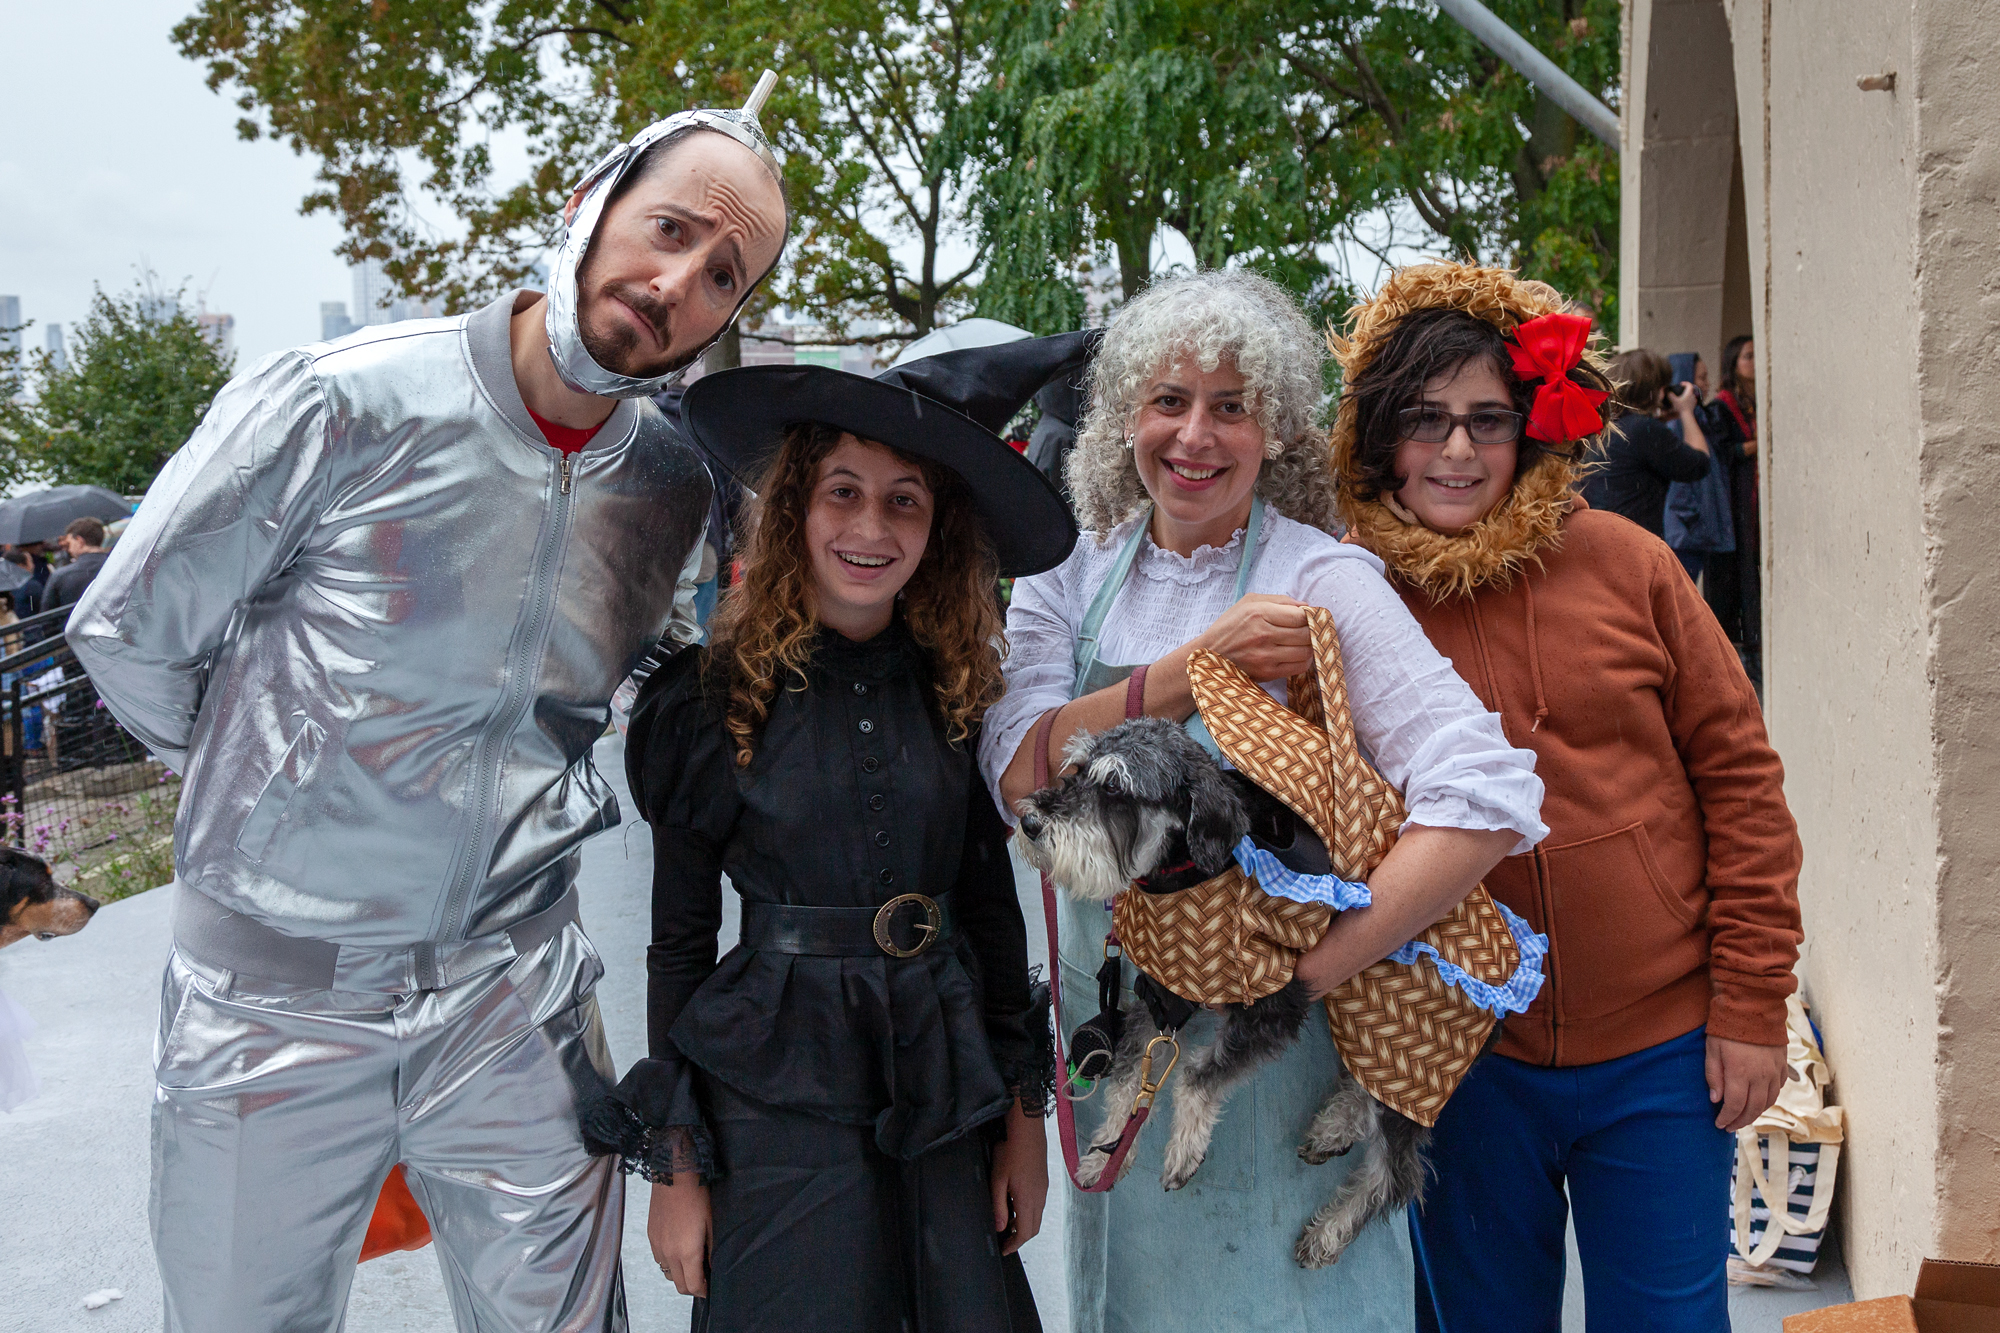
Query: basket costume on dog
1405	1031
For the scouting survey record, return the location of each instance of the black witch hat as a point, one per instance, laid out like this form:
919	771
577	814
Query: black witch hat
949	408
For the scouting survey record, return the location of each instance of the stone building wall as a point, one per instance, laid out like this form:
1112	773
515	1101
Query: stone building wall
1869	261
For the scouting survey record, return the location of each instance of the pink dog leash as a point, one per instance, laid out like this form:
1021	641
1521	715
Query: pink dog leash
1149	1086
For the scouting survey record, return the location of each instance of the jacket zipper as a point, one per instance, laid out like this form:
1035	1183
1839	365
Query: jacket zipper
520	683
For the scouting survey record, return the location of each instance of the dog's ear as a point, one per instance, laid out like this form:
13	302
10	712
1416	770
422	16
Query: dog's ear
1216	821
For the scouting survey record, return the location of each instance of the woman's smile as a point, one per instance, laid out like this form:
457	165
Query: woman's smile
1193	476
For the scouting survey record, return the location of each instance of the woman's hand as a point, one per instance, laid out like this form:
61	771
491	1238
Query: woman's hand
679	1225
1265	635
1743	1080
1020	1180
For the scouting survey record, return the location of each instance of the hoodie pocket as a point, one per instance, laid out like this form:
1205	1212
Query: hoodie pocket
273	807
1621	931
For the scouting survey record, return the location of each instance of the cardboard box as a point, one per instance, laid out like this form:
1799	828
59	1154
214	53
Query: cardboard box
1951	1298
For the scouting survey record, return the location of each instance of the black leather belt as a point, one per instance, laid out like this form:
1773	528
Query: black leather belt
903	927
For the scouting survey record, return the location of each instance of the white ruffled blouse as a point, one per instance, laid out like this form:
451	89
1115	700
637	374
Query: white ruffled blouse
1421	724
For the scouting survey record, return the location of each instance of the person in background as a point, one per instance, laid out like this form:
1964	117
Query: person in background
1641	457
1733	584
83	542
1697	517
28	596
1668	883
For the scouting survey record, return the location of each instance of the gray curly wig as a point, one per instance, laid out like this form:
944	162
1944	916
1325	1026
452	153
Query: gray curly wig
1207	317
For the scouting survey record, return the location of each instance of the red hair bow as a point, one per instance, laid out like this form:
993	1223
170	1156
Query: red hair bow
1547	349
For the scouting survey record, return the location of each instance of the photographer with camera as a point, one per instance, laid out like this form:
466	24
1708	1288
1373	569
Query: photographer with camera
1641	456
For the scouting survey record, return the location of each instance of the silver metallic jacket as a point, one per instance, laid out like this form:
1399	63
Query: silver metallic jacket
376	621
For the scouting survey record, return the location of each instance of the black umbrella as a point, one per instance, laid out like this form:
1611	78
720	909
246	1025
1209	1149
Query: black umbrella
41	516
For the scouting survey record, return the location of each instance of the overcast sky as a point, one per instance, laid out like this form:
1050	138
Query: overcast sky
115	155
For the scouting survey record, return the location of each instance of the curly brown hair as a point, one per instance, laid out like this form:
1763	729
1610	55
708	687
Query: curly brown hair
765	629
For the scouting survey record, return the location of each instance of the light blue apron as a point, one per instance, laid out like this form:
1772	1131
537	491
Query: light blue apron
1216	1254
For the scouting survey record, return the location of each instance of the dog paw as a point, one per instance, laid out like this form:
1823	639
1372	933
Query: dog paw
1091	1168
1317	1249
1180	1168
1317	1152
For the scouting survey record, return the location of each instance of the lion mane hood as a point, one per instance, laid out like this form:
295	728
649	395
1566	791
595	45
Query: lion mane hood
1531	518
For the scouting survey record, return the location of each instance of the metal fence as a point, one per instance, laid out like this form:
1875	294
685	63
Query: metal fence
75	788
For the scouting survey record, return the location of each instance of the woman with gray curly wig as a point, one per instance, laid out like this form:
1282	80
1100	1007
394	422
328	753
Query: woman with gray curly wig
1200	477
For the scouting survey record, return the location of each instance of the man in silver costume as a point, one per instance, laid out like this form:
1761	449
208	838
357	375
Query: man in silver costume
374	611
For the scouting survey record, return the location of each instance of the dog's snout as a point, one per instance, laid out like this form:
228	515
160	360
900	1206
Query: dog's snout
1031	824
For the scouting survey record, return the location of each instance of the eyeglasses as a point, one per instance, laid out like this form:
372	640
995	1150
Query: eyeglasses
1434	425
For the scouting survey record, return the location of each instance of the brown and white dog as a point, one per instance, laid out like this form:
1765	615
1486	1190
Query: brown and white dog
32	903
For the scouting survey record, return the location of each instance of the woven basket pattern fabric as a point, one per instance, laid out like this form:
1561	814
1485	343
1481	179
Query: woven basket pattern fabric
1404	1033
1223	941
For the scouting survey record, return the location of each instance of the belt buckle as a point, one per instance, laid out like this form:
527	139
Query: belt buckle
932	927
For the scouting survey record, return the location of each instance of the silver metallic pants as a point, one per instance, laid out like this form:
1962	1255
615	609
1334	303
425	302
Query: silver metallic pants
281	1109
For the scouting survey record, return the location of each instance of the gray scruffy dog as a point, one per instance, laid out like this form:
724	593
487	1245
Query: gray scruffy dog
1148	808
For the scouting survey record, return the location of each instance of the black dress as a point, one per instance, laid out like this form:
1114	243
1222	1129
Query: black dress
841	1108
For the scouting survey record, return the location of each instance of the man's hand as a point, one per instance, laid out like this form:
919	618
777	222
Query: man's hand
679	1225
1263	634
1743	1080
1020	1180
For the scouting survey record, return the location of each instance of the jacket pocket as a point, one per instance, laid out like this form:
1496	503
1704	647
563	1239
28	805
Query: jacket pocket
1621	932
273	803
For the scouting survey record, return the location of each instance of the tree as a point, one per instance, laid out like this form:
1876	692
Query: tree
1434	121
1109	119
1285	134
140	377
401	99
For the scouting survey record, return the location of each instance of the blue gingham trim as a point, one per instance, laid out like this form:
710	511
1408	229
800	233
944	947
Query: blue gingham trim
1281	881
1521	988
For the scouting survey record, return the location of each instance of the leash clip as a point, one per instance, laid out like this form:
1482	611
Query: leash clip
1149	1086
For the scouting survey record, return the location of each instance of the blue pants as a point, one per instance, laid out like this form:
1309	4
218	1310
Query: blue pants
1635	1141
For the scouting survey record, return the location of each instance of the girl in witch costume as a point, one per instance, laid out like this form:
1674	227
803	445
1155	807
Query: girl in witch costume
841	1117
1668	883
1201	474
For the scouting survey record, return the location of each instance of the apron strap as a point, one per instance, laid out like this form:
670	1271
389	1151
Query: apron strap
1085	653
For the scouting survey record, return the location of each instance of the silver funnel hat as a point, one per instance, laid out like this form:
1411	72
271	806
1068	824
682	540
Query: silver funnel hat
578	369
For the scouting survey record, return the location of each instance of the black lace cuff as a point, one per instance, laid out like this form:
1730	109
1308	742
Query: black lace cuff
1028	1064
652	1122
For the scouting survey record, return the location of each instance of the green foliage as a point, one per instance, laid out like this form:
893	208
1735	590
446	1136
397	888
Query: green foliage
1032	140
1112	118
1283	134
140	377
399	100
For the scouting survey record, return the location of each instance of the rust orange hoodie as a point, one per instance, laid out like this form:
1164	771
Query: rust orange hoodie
1668	884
